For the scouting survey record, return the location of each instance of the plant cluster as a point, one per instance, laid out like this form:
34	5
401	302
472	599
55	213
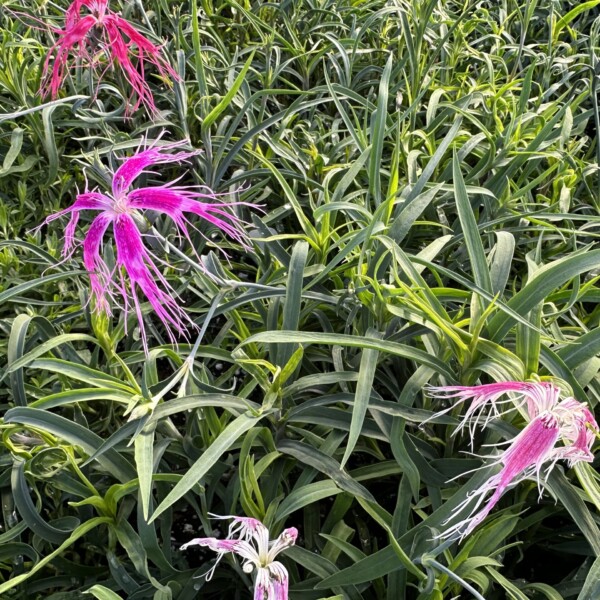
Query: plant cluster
327	267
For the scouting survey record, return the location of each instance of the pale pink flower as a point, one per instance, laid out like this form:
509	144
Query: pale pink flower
534	451
136	267
249	539
92	30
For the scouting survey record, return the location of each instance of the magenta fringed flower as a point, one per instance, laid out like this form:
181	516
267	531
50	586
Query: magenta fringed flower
136	267
92	30
249	539
556	429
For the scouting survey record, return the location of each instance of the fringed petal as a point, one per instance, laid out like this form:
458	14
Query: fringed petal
525	457
135	165
144	48
279	581
55	65
85	201
213	543
537	396
121	55
249	539
174	201
285	540
99	274
143	273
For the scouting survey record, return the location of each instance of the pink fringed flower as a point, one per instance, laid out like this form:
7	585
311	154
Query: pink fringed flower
249	539
551	420
136	267
91	29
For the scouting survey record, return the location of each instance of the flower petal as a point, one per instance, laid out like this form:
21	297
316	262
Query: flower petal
86	201
135	165
285	540
143	273
146	50
174	201
72	36
213	543
120	41
249	539
98	270
136	46
538	396
526	455
120	54
279	581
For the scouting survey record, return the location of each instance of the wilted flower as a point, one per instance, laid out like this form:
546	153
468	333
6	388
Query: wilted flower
249	539
91	30
136	266
534	449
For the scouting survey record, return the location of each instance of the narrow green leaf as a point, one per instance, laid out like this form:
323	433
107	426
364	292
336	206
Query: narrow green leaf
10	550
21	113
419	356
49	141
144	460
572	14
233	404
305	496
378	132
17	290
102	593
131	541
325	464
481	273
582	349
366	376
400	553
546	590
386	561
66	429
321	567
591	586
82	373
16	142
16	346
79	532
512	591
344	183
567	495
355	240
24	504
545	280
80	395
501	262
50	345
293	299
397	227
213	115
411	211
213	453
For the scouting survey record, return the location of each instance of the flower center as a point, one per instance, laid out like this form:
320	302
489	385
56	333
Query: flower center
121	205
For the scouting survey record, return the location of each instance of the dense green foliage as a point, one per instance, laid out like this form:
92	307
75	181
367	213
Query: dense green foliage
428	172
